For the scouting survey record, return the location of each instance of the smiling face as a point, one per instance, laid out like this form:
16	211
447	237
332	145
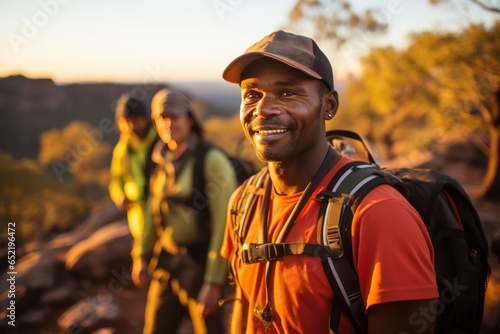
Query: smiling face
283	110
174	127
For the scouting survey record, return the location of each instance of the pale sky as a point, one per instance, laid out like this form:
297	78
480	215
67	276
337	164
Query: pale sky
167	40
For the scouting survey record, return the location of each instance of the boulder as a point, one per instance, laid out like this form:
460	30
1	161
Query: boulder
104	252
65	294
33	274
89	315
99	218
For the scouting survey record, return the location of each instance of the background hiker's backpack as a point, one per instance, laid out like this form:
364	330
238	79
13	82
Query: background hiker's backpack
199	199
460	245
242	168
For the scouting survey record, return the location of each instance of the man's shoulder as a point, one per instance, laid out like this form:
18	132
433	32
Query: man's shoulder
382	191
337	167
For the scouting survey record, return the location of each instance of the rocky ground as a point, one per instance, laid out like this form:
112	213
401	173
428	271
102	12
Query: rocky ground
79	282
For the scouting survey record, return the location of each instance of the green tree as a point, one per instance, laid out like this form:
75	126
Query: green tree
441	82
335	21
340	22
34	199
465	69
486	5
77	151
464	74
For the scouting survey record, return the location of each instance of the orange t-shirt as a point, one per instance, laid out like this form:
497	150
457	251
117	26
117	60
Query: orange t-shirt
391	248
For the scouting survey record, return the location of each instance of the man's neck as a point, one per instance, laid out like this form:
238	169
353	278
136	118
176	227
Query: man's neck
292	177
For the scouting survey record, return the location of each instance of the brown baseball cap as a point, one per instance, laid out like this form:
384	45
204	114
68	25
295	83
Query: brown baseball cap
299	52
170	103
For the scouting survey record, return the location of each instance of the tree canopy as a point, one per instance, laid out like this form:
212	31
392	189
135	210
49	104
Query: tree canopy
442	83
78	151
34	199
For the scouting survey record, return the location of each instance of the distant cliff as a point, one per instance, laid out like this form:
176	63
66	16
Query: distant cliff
29	107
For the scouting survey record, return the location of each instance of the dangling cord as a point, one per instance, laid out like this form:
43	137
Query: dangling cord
264	214
265	314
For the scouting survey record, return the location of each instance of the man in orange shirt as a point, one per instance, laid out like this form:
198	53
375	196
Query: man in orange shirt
287	94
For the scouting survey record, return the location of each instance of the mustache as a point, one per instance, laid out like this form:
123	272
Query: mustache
260	123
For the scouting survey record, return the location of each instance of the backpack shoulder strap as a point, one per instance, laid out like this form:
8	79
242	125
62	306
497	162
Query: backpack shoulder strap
351	184
199	166
149	166
244	202
242	210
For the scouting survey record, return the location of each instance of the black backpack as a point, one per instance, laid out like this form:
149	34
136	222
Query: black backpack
199	200
461	252
243	169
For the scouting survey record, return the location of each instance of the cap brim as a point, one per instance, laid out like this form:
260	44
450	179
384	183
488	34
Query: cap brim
233	71
168	109
174	110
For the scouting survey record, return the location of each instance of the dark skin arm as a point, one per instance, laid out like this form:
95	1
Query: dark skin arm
415	316
208	299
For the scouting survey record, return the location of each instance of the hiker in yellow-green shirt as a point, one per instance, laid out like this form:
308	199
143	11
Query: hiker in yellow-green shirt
131	167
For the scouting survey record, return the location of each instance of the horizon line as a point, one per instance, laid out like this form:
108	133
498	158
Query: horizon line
121	82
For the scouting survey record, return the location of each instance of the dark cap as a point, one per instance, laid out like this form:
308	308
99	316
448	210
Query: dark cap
167	102
299	52
129	106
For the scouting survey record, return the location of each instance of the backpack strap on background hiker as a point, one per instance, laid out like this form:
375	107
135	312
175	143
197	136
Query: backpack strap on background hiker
149	167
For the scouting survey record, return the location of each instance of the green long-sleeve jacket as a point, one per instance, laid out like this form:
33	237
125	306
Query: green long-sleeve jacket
128	181
127	167
174	224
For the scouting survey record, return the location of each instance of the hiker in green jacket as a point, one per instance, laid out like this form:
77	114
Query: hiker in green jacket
187	214
130	170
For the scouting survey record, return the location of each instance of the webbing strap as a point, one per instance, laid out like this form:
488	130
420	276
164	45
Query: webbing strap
250	190
272	251
350	183
353	182
329	234
346	293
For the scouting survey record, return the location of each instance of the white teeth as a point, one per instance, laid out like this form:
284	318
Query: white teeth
267	132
